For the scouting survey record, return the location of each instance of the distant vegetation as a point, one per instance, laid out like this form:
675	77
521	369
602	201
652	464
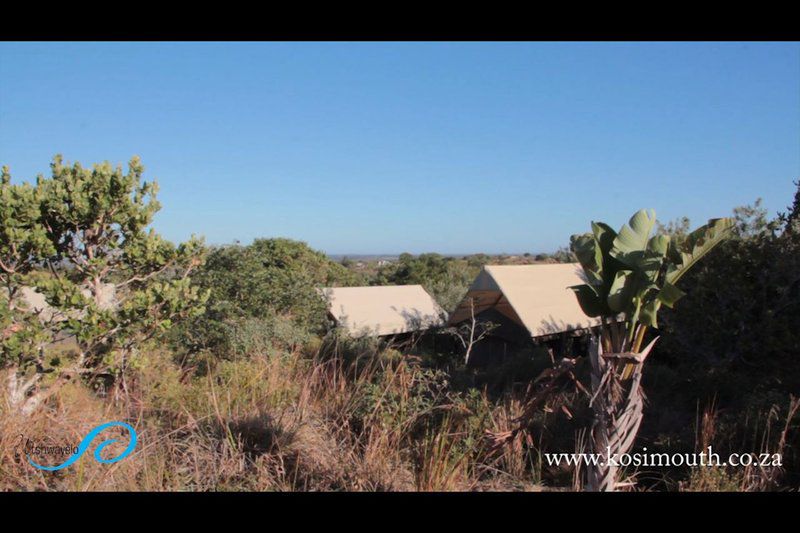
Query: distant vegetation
222	359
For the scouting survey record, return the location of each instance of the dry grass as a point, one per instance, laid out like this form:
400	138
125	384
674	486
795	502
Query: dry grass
364	420
281	423
764	443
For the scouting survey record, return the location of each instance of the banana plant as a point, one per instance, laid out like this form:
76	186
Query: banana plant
629	275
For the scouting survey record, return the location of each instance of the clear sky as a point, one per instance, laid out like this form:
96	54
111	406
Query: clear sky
392	147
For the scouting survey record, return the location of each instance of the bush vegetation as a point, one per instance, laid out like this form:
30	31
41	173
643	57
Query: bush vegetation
222	360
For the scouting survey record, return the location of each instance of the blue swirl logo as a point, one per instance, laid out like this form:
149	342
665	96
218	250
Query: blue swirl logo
87	441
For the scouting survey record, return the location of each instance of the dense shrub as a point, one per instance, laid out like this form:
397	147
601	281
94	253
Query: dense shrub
445	278
262	296
269	335
733	342
742	310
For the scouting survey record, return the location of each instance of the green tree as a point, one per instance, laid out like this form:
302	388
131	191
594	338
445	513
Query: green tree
751	221
445	278
791	218
564	255
756	279
477	261
24	244
81	239
677	228
271	281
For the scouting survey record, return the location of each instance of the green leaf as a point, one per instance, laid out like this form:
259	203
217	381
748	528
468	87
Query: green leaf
586	250
604	235
648	313
621	291
697	244
658	245
631	242
590	302
669	294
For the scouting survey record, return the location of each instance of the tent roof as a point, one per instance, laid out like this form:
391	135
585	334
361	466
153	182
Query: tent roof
383	310
36	302
536	296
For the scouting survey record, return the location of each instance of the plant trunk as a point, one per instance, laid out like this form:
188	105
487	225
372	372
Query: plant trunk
19	398
617	404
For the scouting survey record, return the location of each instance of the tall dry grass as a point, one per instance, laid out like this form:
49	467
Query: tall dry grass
294	422
766	436
333	417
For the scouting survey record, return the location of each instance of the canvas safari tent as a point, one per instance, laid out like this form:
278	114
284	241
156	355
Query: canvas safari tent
383	310
35	302
525	303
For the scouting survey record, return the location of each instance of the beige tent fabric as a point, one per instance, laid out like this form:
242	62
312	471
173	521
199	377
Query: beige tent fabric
35	302
383	310
535	296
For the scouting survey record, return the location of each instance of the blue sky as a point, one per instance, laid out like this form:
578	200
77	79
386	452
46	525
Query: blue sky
391	147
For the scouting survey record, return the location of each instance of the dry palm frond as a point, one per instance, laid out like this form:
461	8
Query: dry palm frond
547	391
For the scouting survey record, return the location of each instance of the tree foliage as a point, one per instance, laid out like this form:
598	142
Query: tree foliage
445	278
743	304
271	280
80	238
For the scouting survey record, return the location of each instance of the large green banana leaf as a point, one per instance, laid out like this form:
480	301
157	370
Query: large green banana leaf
633	273
696	245
631	242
